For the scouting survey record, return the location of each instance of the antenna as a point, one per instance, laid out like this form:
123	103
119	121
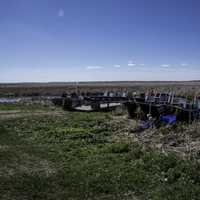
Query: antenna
77	83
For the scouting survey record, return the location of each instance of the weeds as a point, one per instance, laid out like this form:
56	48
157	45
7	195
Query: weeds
84	159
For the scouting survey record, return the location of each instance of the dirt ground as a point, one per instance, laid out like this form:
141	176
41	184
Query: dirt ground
181	139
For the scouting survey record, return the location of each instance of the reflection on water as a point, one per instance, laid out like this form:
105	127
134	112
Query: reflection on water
24	99
10	100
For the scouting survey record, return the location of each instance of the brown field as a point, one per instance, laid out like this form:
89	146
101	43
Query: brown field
29	89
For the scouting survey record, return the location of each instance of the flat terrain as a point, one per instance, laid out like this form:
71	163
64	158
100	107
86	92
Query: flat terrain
46	153
21	89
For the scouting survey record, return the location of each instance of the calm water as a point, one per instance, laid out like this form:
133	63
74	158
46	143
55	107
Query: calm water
10	100
18	99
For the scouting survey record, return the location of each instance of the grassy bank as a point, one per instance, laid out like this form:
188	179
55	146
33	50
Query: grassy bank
81	156
23	107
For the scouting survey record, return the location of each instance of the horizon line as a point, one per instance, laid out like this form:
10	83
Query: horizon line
102	81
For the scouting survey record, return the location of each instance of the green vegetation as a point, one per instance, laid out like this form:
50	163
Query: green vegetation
81	156
10	107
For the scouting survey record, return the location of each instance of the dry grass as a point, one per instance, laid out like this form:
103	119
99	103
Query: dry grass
182	88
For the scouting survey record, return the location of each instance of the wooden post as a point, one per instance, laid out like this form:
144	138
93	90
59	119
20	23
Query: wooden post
150	107
190	112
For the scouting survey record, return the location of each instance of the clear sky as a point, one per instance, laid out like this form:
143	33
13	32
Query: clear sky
96	40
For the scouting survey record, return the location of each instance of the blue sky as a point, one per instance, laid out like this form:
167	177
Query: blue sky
96	40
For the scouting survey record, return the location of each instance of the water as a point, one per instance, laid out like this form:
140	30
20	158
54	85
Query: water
10	100
24	99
